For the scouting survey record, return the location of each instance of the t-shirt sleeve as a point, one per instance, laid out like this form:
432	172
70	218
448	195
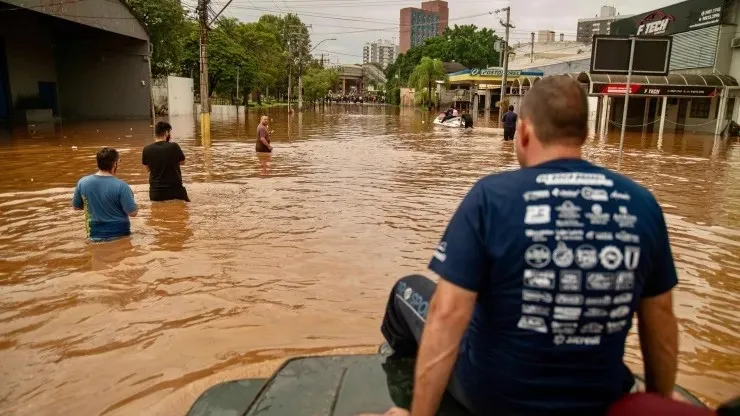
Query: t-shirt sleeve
662	277
461	257
180	154
262	132
77	201
127	199
143	157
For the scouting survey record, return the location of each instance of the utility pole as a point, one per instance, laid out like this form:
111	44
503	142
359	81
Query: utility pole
237	89
205	105
531	54
505	54
300	80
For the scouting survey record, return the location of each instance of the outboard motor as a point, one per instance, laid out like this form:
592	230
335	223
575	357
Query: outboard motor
467	121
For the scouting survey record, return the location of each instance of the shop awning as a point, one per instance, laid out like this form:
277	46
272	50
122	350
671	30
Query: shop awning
672	85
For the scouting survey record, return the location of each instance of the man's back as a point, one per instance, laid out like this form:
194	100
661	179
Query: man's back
107	201
509	119
563	252
163	159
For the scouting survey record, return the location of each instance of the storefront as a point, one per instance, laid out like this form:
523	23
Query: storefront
700	92
486	84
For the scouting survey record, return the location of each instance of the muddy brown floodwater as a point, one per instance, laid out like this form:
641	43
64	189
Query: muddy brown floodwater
292	254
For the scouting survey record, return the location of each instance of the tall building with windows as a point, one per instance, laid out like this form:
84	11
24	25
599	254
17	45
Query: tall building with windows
418	25
382	52
599	25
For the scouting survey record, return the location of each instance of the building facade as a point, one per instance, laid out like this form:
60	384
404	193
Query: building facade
87	60
599	25
705	43
381	52
417	25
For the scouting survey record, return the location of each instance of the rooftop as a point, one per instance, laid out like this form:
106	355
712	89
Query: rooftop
548	53
602	18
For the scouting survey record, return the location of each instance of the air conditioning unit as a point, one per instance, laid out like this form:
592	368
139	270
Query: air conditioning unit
736	43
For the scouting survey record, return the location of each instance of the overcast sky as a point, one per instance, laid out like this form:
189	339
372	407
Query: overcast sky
354	22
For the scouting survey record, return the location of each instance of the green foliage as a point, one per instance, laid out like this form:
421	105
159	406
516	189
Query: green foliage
165	20
317	82
425	77
466	45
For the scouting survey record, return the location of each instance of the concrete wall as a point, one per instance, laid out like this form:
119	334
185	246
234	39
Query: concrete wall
103	78
22	34
180	96
159	96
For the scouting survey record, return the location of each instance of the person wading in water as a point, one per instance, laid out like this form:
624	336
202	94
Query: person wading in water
263	136
163	159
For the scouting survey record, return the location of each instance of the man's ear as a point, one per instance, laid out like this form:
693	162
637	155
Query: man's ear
525	133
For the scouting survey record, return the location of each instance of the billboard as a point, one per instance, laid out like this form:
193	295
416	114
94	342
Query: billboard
677	18
611	55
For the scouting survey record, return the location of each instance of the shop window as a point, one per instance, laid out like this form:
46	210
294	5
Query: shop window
700	107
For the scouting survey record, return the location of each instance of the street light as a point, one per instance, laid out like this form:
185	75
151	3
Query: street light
300	73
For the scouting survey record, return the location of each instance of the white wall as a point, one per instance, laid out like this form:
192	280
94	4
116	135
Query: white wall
159	95
180	96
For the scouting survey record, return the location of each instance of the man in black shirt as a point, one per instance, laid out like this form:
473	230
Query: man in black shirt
163	159
509	119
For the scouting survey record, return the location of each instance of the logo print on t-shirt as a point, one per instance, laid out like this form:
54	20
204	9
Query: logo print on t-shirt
590	194
570	280
533	323
597	216
611	257
537	256
568	211
539	279
624	218
537	214
625	281
562	256
631	257
620	312
586	256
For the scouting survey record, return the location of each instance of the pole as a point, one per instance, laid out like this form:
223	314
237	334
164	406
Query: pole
237	89
662	118
205	105
300	81
531	54
626	100
151	90
505	55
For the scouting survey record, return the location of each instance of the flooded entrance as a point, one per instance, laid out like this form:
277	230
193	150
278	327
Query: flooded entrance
292	253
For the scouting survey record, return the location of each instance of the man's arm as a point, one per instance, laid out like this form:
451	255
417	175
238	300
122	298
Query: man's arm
450	312
263	139
77	202
658	331
127	201
181	155
656	323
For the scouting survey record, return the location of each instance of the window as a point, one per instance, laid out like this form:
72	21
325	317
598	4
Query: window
700	107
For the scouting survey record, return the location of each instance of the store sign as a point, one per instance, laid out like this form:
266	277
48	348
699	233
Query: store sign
655	90
494	73
681	17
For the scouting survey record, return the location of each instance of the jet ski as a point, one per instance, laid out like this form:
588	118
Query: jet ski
454	122
341	385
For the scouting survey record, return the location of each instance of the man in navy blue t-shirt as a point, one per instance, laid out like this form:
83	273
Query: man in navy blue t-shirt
542	270
509	120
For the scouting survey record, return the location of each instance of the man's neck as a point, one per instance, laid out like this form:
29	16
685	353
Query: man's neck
104	173
159	139
555	152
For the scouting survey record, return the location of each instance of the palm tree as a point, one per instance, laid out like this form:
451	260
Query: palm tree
425	74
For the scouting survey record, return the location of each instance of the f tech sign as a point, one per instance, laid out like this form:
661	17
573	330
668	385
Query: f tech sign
655	23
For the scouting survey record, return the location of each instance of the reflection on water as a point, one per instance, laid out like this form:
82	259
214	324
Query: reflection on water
293	252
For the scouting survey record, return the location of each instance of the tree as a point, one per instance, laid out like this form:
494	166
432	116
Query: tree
428	72
165	21
317	82
466	45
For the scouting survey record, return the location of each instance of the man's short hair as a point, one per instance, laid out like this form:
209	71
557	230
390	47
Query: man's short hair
106	158
557	109
511	108
162	128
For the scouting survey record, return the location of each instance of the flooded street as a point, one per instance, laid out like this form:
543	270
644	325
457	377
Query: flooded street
293	253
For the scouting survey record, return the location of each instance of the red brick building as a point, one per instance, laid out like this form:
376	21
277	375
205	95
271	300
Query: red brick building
419	24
